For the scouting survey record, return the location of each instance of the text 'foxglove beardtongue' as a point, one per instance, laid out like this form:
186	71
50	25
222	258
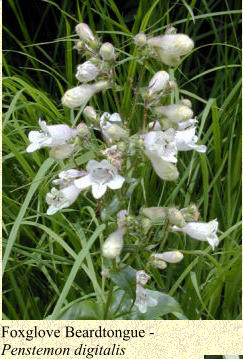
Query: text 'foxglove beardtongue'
144	299
175	112
84	32
112	246
201	231
161	144
142	277
186	141
169	257
80	95
100	176
50	136
87	71
107	52
59	199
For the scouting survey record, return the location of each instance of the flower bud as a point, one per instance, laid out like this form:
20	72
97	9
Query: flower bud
79	46
112	246
158	83
83	130
169	257
87	71
157	263
80	95
186	102
154	213
170	30
191	213
61	152
121	218
175	112
90	113
146	225
176	217
172	44
140	39
107	52
115	132
142	277
84	32
165	170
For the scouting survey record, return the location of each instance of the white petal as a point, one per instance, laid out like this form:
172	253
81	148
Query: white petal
35	136
52	210
92	164
152	302
83	182
98	190
116	182
213	241
33	147
115	117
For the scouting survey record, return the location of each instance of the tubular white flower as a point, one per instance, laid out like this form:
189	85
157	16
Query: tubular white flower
111	127
100	176
140	39
50	136
175	112
165	170
62	152
169	257
176	217
188	123
170	60
158	83
84	32
161	144
154	213
112	246
121	218
107	51
142	277
59	199
80	95
172	44
201	231
87	71
90	112
143	299
186	141
67	177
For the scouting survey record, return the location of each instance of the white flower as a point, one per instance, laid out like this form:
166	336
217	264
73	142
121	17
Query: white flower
100	176
90	112
158	83
80	95
107	51
121	218
201	231
170	257
62	152
183	125
144	299
67	177
166	124
84	32
186	141
140	39
161	144
170	47
112	246
164	169
142	277
111	127
50	136
154	213
175	112
114	156
87	71
59	199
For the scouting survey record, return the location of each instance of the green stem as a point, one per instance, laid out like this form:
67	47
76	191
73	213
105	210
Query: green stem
108	302
136	93
145	114
114	92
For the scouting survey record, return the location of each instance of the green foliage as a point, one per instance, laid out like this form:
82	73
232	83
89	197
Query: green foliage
51	265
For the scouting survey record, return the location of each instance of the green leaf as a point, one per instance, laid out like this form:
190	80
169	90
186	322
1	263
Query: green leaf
125	278
85	310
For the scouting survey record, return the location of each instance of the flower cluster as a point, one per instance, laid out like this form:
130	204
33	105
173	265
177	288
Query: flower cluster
171	129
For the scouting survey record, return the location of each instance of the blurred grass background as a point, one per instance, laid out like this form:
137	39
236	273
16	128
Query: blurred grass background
40	260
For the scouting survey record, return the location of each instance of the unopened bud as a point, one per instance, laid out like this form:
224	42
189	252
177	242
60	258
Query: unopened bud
142	277
83	130
84	32
90	113
121	218
170	30
107	51
169	257
154	213
61	152
112	246
157	263
115	132
140	39
176	217
158	83
146	224
186	102
87	71
175	112
191	213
